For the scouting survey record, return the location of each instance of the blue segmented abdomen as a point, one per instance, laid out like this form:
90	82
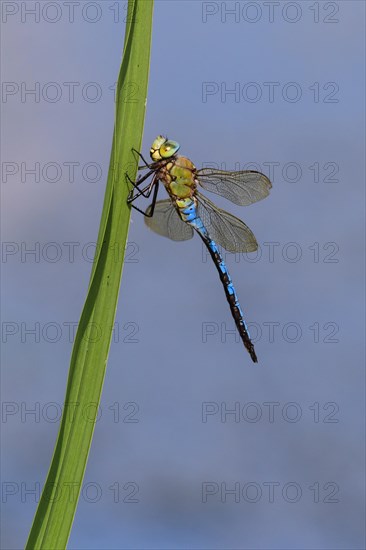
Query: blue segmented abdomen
188	213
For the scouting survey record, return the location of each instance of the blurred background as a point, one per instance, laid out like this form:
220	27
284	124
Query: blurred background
195	447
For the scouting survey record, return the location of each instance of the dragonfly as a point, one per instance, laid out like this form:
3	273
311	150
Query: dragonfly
187	211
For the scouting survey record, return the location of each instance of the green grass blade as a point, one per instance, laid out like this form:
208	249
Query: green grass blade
55	513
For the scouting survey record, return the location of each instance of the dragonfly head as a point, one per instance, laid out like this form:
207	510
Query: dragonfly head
163	148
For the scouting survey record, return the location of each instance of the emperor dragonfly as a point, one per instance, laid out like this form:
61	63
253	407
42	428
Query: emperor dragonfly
187	210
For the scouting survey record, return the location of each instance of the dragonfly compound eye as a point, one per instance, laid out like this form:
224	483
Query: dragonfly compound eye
168	149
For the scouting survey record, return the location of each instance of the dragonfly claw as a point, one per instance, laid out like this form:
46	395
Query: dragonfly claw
128	177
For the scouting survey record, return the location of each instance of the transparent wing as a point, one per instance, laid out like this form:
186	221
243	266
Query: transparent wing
166	222
224	228
243	187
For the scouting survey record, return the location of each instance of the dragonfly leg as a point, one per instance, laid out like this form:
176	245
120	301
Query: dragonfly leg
154	184
136	185
139	210
140	192
145	192
152	205
141	157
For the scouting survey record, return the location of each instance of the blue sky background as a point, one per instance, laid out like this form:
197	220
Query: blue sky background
175	357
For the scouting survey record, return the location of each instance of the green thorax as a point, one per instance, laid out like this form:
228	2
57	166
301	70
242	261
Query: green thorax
179	177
